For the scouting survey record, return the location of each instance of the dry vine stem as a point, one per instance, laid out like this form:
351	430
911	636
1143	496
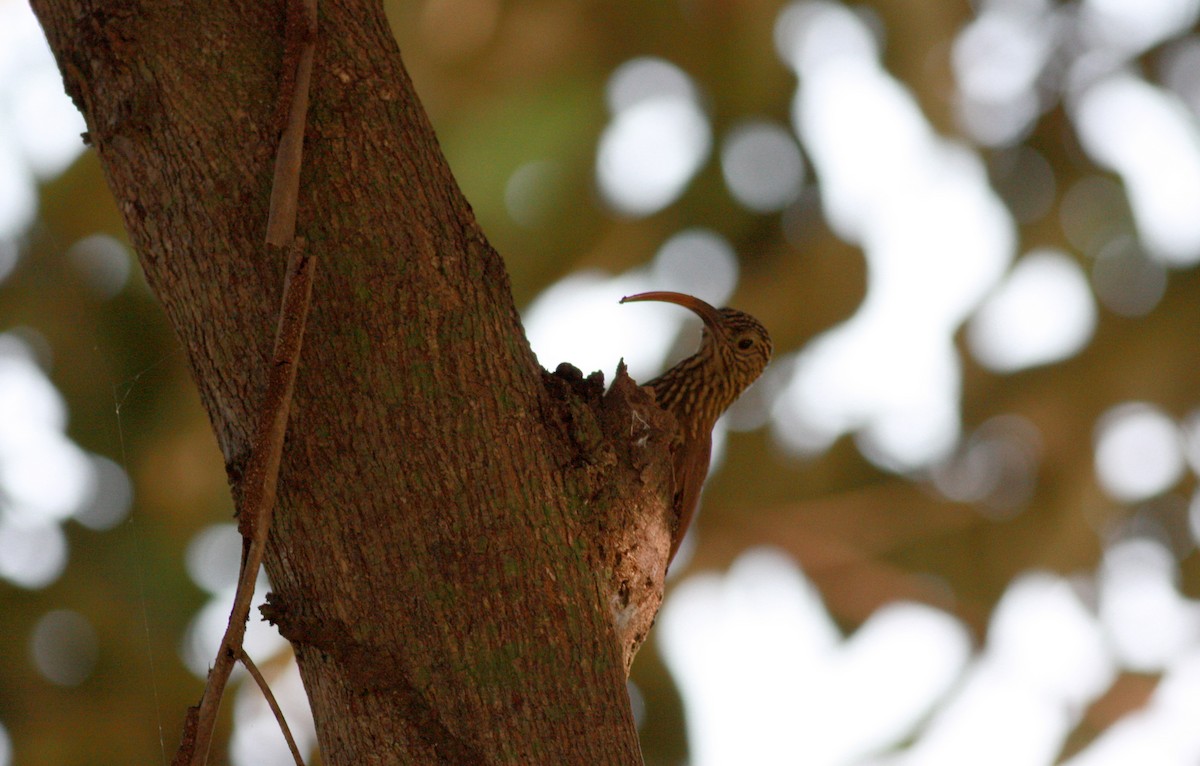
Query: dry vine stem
262	470
258	503
272	703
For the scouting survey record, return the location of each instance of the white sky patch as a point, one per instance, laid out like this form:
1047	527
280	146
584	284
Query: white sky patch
39	126
766	677
745	650
999	54
936	239
1043	635
1149	623
1135	25
48	124
1043	313
968	728
18	201
44	476
579	320
888	676
997	59
1148	137
1045	658
1163	733
658	138
1138	452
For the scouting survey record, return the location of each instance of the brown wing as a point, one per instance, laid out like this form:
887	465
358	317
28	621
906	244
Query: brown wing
691	468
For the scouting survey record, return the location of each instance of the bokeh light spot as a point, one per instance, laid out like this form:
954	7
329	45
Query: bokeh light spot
646	78
64	648
212	557
698	262
1042	313
1146	135
657	139
1179	64
1149	623
18	199
48	124
649	152
1025	180
32	554
1138	452
1042	634
996	467
811	33
997	60
998	56
762	166
112	499
1093	212
103	262
1133	25
530	193
49	477
1126	281
40	135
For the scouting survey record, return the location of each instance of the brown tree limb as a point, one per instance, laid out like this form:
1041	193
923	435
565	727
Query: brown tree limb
265	688
436	502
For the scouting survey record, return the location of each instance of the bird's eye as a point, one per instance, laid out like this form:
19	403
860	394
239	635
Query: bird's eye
745	343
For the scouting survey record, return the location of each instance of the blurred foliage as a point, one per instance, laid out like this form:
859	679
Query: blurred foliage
512	83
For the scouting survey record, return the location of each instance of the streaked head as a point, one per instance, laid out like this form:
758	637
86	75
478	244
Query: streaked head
733	341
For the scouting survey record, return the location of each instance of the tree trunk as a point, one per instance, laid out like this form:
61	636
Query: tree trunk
466	550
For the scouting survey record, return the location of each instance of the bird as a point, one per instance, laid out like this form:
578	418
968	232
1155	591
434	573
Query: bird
735	348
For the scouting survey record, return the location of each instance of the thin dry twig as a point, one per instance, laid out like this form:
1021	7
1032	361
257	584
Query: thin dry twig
274	705
285	189
261	477
259	483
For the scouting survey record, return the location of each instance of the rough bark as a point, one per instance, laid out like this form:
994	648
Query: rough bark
466	549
